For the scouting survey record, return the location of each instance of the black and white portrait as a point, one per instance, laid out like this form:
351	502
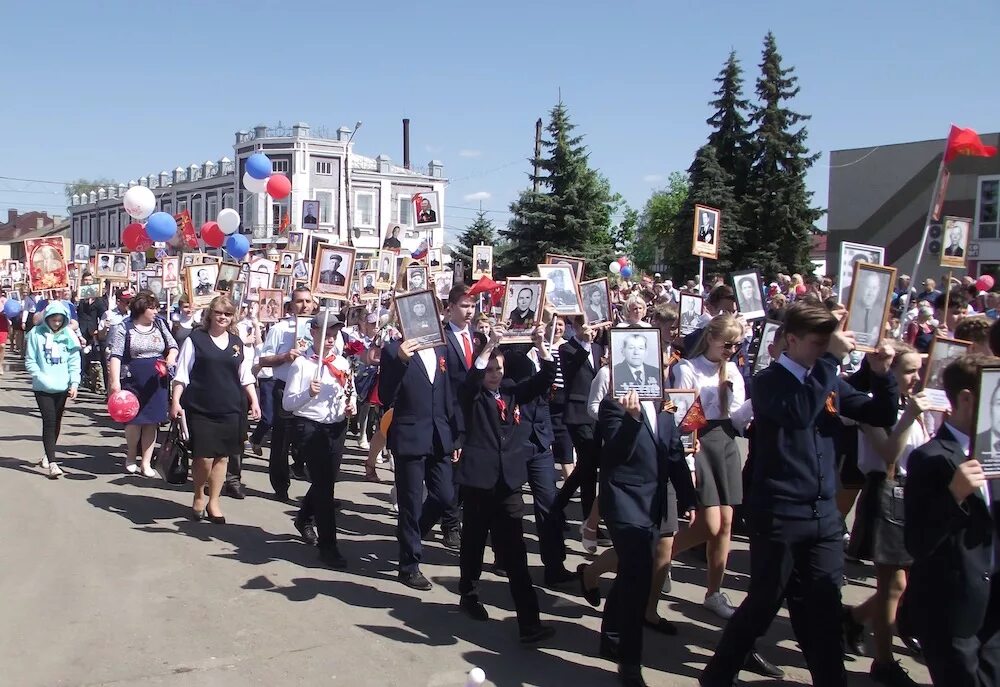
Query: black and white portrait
229	272
956	241
310	216
416	277
705	242
561	289
369	290
106	263
680	401
871	294
443	281
300	270
596	299
521	307
296	240
636	362
942	351
426	211
155	286
332	272
393	237
690	306
762	353
418	318
200	284
385	270
987	431
747	285
81	252
256	282
137	260
238	293
286	262
434	261
482	262
576	263
850	255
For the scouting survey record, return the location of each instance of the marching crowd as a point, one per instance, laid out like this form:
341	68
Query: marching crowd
466	425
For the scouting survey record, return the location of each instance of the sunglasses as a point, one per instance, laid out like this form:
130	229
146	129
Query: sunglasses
222	312
731	344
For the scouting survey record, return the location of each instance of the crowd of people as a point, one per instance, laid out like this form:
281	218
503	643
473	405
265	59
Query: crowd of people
466	425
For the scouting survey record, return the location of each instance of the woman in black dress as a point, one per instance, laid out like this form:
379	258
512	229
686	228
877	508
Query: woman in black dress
213	385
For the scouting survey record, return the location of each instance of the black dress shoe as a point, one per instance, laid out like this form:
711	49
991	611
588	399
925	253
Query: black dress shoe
281	496
661	625
234	490
593	594
332	558
755	663
299	471
602	538
913	644
854	633
891	674
215	519
473	607
536	633
415	580
558	575
499	571
608	649
453	539
630	676
307	530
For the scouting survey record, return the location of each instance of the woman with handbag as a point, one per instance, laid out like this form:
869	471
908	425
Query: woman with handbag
142	351
213	376
878	525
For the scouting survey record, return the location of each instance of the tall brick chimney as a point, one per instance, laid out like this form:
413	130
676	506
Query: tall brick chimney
11	215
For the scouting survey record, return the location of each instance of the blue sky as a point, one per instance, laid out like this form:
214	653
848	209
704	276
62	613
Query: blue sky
134	88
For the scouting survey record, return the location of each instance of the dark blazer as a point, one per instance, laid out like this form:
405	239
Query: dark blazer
495	452
635	467
952	575
518	367
579	369
423	415
457	370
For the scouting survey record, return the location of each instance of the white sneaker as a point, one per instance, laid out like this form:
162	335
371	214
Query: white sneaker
44	465
149	472
132	468
589	543
719	604
55	471
363	443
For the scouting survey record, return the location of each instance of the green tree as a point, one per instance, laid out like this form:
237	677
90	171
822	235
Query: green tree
481	232
571	213
730	136
777	204
81	186
655	241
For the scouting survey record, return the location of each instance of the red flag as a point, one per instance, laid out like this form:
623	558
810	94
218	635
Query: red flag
183	220
966	142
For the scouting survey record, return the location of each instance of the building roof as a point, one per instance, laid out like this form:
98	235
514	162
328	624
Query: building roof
27	225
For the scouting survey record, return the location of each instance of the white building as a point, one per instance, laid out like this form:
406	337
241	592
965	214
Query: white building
380	193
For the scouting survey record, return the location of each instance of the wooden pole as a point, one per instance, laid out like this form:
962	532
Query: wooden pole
947	298
538	154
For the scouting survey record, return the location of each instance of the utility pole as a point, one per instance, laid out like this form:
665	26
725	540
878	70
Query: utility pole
347	185
538	153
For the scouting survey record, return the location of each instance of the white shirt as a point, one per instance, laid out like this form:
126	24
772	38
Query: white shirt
330	404
869	459
800	372
185	361
281	338
703	375
598	390
463	333
963	442
649	410
429	361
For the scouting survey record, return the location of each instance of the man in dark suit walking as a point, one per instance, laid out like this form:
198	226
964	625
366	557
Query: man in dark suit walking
952	599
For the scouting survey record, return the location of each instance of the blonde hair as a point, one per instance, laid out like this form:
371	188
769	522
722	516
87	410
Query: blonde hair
219	303
725	327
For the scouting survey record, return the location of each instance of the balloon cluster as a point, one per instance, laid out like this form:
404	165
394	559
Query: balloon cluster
258	178
621	266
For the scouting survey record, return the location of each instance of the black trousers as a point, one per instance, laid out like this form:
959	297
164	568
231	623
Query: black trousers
625	608
234	466
497	512
416	514
322	448
51	407
584	475
802	560
542	482
966	661
267	411
283	433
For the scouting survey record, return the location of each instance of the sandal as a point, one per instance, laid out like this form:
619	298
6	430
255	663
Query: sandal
589	542
371	474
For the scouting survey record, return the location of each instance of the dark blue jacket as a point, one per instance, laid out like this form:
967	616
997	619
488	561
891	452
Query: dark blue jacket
579	369
635	467
518	367
423	414
795	466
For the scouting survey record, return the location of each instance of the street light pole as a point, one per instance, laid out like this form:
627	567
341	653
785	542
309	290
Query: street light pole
347	184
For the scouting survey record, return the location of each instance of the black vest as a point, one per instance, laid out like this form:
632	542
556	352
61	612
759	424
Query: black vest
214	387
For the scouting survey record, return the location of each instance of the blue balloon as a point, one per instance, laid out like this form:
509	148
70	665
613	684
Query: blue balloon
259	166
12	308
238	245
161	226
626	271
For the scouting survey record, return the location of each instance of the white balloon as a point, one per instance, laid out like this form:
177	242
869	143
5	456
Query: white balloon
615	267
229	221
139	202
477	676
254	185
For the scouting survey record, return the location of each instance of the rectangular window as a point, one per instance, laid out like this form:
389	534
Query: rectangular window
278	213
405	212
182	205
228	200
987	217
325	199
364	209
104	230
211	207
279	166
324	167
197	211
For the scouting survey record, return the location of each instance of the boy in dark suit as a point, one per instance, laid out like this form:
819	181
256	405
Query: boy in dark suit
492	467
952	599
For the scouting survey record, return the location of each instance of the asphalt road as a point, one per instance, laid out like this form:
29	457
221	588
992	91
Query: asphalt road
106	582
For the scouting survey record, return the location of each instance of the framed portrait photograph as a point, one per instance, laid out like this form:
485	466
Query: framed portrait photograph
850	254
113	266
155	286
576	263
956	232
89	291
705	243
691	305
385	277
238	293
286	263
142	278
868	304
434	261
271	303
596	298
256	281
81	252
762	357
300	270
296	240
419	319
200	284
283	284
562	293
332	272
190	259
310	216
46	259
987	430
748	298
680	401
942	351
636	362
521	307
443	281
259	263
426	211
206	259
171	271
368	291
393	238
416	277
229	272
482	262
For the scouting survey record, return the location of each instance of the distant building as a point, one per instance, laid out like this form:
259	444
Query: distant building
29	225
880	195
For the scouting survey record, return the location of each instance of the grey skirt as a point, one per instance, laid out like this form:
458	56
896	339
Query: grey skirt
718	466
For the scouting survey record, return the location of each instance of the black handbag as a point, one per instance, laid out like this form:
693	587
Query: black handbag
173	460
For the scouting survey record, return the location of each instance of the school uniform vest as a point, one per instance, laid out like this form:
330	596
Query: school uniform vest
215	387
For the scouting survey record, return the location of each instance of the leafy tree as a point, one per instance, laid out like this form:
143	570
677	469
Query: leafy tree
81	186
570	214
730	137
776	204
655	233
480	233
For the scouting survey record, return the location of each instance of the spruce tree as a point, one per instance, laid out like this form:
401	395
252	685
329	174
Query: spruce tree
571	212
777	206
730	136
480	233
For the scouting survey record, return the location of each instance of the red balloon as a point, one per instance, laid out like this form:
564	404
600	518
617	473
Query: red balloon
212	235
123	406
135	238
278	186
985	282
623	261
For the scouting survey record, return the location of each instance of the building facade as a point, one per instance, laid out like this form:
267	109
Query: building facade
321	168
880	195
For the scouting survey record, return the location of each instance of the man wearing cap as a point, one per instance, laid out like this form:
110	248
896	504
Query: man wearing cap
316	392
331	275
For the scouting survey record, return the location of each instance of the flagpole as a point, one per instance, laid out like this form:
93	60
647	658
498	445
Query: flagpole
930	214
322	341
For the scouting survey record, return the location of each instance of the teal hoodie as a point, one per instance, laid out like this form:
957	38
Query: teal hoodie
53	358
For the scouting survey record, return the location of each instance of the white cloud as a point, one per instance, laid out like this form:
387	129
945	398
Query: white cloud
653	178
467	152
478	195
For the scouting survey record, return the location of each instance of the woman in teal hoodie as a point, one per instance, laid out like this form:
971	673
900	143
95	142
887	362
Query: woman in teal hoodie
52	357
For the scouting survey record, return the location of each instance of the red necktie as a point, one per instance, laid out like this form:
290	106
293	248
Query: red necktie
328	364
468	350
501	409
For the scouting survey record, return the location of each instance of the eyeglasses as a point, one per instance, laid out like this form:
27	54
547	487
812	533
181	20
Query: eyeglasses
222	312
731	344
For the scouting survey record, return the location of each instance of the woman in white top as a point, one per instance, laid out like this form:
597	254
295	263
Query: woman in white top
718	465
878	526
